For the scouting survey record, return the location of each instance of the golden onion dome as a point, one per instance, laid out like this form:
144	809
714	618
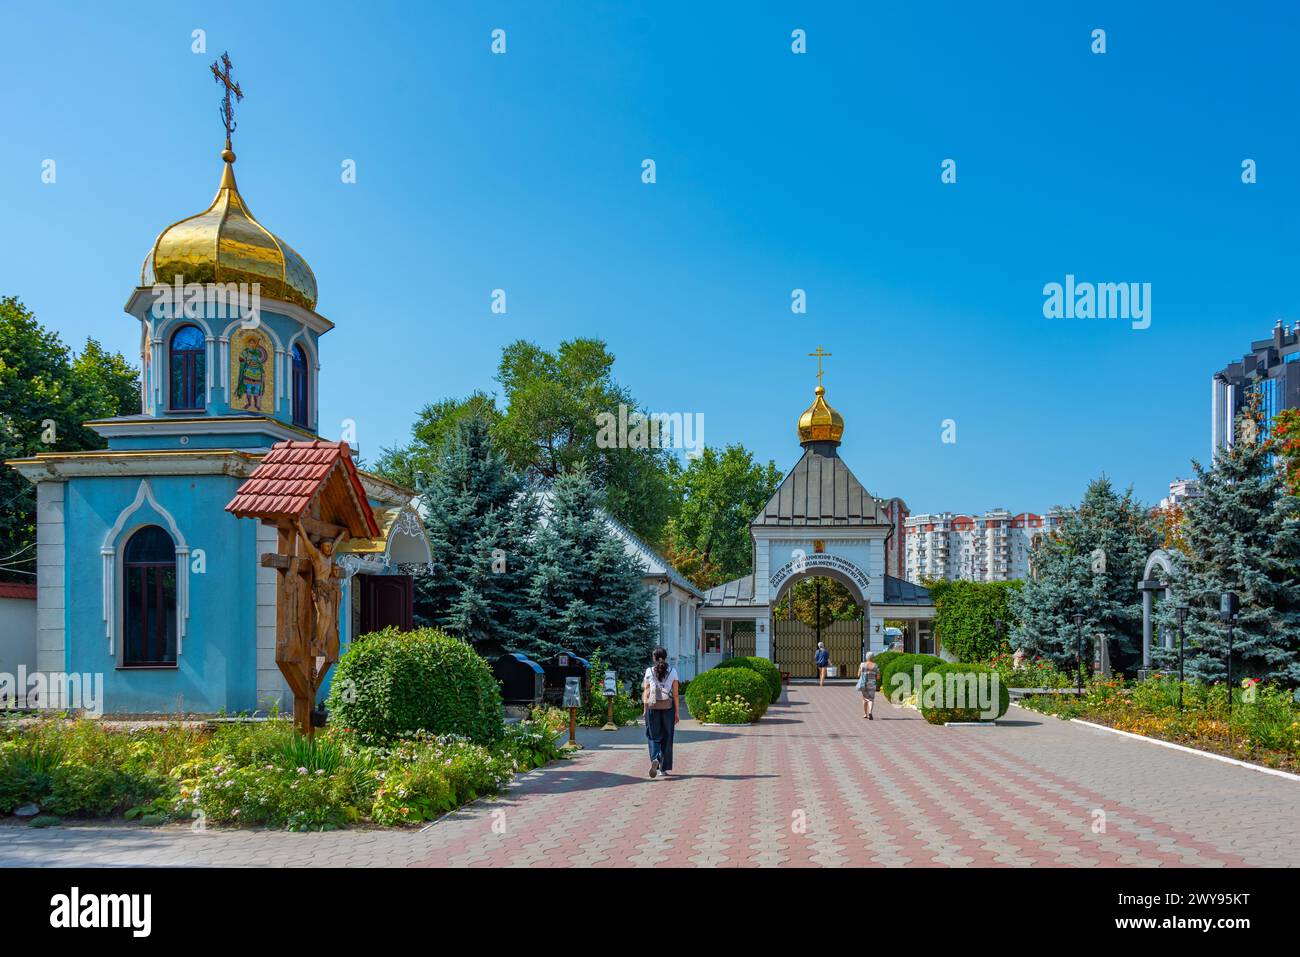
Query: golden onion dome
819	422
224	243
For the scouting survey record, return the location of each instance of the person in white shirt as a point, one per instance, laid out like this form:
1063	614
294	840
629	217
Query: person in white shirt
659	694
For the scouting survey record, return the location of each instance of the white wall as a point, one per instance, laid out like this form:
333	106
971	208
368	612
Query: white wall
17	635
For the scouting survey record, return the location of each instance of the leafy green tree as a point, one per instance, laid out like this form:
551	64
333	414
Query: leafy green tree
481	518
413	464
1091	566
551	425
46	394
1242	535
585	592
835	602
966	616
718	495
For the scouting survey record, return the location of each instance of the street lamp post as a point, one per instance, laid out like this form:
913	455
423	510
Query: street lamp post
1078	655
1228	607
1181	612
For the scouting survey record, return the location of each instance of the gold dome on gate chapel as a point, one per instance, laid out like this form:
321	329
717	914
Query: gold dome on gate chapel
819	422
224	243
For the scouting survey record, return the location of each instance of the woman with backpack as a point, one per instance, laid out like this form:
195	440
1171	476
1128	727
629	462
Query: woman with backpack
659	694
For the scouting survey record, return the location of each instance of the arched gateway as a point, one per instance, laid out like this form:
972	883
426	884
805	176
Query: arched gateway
821	522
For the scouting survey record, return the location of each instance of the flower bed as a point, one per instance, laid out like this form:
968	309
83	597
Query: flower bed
255	773
1265	726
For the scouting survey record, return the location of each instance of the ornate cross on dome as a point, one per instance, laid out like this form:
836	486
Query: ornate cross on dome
222	76
819	355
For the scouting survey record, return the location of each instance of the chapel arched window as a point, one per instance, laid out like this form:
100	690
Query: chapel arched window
300	381
149	599
188	367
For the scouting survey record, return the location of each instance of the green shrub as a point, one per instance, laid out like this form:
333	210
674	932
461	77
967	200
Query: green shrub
728	682
966	613
393	684
949	697
766	670
906	665
884	658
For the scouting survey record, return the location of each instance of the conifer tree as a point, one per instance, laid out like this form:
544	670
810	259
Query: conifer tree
1091	566
585	592
1242	535
480	517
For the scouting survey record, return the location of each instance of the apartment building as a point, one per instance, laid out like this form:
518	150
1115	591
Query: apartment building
994	546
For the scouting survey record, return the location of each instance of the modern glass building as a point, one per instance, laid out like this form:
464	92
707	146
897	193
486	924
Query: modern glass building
1272	367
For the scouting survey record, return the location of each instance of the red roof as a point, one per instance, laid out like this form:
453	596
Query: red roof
289	477
17	590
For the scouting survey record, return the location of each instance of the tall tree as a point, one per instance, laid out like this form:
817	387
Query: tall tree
1284	442
1243	536
718	494
555	401
46	394
585	592
480	517
413	464
1091	566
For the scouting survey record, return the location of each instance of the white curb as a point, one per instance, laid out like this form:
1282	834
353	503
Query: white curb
1177	747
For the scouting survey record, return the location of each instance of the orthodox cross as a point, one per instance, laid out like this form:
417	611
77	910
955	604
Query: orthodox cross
222	76
819	355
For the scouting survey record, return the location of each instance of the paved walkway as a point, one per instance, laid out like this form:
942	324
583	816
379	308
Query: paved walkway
811	784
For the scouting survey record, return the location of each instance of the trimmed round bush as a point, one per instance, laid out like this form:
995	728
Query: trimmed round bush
906	665
743	682
884	658
765	669
951	695
391	684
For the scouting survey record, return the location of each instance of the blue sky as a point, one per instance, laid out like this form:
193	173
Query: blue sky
775	172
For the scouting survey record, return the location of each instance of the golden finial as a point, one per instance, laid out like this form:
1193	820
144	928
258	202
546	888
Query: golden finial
819	422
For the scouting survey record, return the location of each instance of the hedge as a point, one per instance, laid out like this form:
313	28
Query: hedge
945	713
744	682
883	659
905	664
766	670
391	684
966	614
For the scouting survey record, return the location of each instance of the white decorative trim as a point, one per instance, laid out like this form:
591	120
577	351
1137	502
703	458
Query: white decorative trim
108	552
209	363
142	298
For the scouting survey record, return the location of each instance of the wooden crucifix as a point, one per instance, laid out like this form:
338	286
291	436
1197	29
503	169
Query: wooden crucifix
311	494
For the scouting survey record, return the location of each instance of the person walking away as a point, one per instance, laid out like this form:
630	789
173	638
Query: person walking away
868	671
660	695
823	659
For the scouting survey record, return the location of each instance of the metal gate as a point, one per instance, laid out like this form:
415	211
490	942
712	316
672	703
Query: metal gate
742	639
794	644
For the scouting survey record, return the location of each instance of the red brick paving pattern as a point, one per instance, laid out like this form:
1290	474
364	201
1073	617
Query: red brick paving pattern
810	785
813	784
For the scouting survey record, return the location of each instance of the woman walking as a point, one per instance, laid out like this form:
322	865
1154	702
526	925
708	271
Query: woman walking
823	659
867	673
662	702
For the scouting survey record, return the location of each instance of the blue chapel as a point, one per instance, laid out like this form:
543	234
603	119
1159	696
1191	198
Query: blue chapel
142	576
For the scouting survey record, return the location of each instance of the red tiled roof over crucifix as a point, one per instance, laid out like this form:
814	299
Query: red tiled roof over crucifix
296	477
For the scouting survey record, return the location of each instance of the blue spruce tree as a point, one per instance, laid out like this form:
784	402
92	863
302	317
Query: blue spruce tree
1091	566
585	592
1242	535
481	518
